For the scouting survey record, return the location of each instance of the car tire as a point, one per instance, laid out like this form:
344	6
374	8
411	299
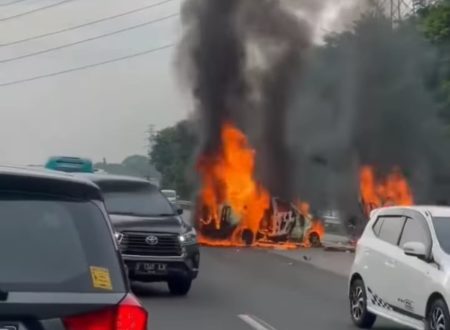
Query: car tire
179	286
361	317
314	240
438	317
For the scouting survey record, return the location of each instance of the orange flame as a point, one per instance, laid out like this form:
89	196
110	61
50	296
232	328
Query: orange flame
233	204
227	179
391	190
315	227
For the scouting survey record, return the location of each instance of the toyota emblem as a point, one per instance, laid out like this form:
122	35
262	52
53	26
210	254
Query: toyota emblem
151	240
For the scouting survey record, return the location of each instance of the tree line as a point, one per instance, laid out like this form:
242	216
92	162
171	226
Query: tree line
172	150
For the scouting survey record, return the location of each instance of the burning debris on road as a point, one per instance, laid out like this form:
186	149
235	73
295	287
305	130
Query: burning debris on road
283	121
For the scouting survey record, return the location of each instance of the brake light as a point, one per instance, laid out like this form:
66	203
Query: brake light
128	315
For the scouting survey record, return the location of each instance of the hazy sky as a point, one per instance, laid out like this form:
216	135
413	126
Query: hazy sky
99	112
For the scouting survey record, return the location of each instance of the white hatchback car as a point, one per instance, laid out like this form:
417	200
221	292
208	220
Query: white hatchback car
401	269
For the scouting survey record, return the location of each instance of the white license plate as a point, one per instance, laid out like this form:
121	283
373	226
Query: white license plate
149	268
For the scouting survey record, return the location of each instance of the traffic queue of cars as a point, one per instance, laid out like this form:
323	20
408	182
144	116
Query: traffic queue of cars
72	243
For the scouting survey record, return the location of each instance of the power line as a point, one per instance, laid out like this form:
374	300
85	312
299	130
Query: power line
40	52
11	3
39	36
85	67
3	19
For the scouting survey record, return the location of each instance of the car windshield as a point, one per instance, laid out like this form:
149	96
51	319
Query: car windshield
38	237
442	229
139	200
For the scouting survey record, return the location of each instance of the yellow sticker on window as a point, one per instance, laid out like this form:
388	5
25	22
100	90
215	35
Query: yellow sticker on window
101	278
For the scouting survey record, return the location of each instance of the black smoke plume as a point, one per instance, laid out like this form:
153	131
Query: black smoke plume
244	57
315	114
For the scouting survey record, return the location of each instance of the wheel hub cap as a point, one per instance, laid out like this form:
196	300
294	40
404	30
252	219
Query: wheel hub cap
357	303
437	321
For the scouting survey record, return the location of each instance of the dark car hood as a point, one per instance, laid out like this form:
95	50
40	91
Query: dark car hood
167	224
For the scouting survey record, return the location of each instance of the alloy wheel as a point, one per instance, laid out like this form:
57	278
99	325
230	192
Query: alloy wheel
437	321
357	303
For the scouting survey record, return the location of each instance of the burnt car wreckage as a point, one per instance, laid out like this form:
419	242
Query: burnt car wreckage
282	222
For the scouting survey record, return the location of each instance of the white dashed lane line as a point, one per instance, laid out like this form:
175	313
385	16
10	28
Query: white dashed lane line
255	322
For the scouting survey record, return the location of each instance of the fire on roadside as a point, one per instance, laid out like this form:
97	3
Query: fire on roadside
232	204
227	179
392	189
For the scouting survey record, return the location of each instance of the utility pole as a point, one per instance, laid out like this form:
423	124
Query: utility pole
398	10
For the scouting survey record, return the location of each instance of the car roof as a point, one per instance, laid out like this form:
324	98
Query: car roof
434	211
111	178
44	181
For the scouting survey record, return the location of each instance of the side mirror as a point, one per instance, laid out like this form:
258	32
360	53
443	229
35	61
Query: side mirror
179	211
415	249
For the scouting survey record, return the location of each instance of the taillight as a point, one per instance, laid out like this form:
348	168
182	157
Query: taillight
131	315
128	315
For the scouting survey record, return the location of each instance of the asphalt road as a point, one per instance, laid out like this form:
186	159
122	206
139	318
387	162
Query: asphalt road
253	289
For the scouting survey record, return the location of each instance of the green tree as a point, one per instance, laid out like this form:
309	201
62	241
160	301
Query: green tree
172	155
434	22
141	165
135	165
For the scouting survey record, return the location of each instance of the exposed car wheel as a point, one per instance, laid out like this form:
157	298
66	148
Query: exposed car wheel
179	286
314	240
361	317
438	317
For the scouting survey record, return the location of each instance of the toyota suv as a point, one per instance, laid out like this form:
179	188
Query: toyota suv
60	264
401	268
156	244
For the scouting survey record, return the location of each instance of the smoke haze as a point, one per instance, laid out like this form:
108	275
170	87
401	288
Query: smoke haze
314	114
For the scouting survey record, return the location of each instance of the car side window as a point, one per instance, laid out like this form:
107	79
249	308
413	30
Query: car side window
413	232
377	225
391	228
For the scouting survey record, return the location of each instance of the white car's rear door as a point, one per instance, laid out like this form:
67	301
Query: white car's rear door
413	275
383	292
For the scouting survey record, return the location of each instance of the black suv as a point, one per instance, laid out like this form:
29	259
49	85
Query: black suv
60	264
156	244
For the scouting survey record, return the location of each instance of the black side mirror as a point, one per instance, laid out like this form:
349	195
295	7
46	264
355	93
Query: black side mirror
179	211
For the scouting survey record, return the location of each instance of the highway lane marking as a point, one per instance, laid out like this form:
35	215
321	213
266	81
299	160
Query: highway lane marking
255	322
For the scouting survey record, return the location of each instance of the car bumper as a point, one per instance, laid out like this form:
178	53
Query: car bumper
186	265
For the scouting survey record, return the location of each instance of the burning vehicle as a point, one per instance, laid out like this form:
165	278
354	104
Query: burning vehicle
282	222
234	209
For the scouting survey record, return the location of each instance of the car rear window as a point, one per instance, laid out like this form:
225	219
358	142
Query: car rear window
56	245
135	199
